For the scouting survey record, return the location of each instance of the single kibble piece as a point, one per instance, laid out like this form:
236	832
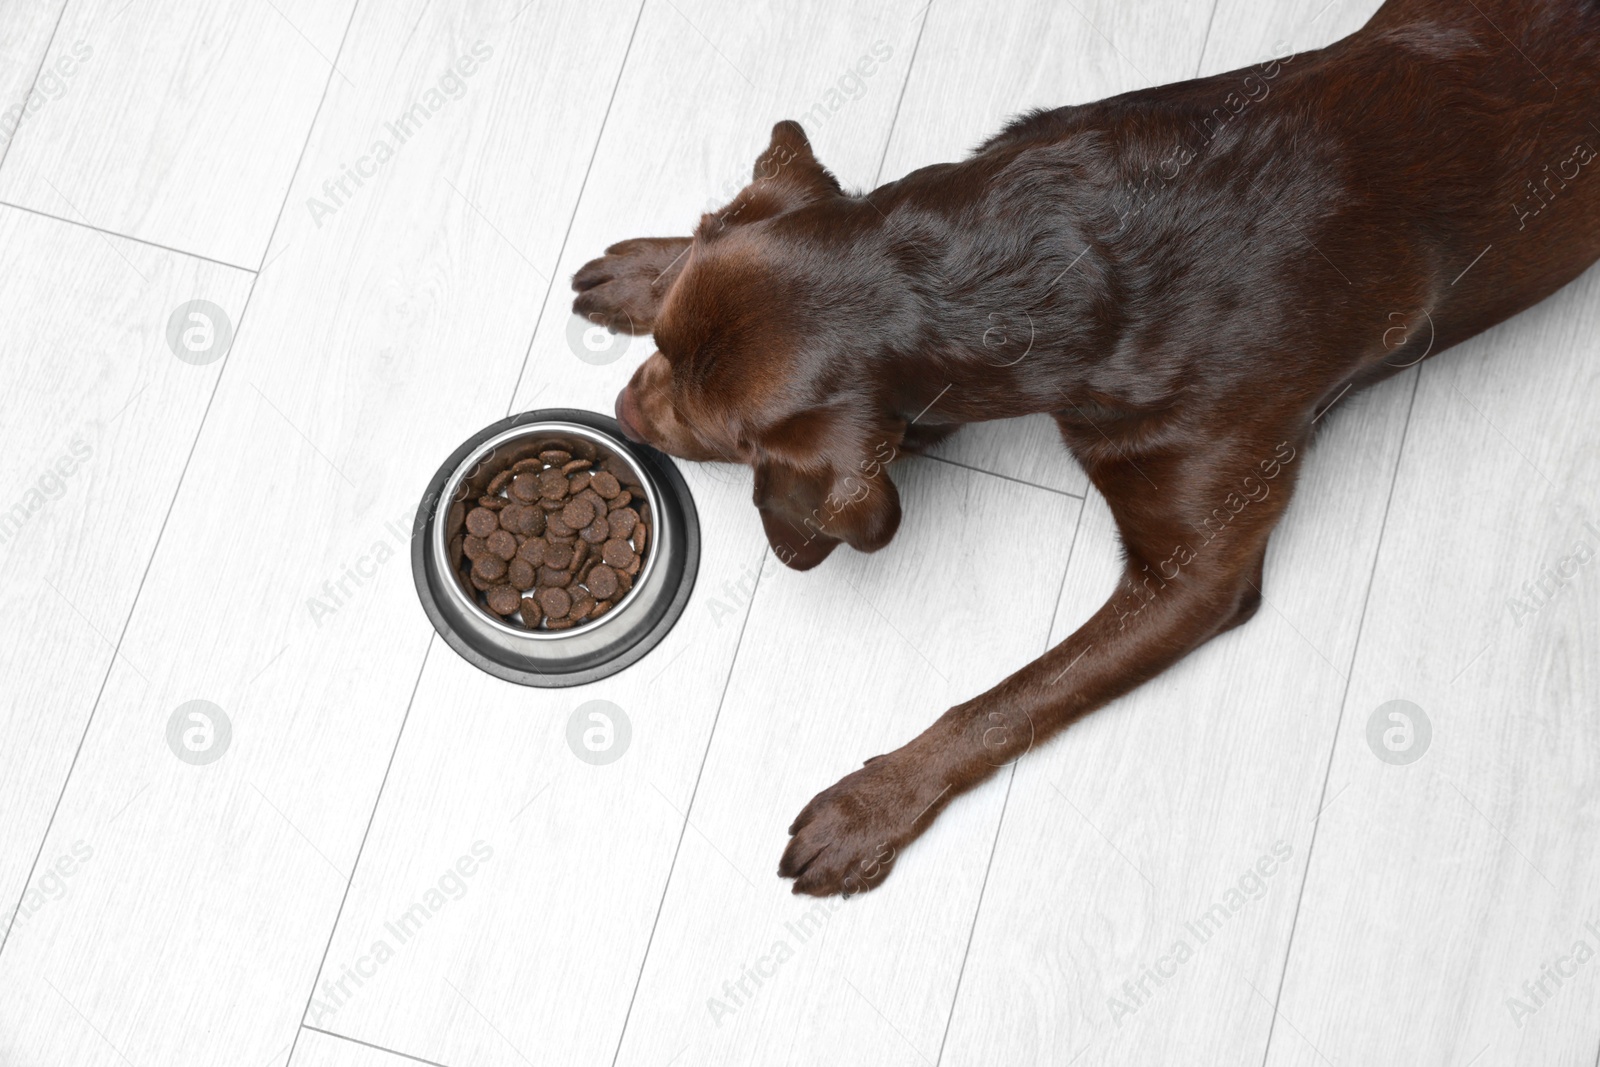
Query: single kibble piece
579	464
532	550
617	552
622	521
602	582
605	483
552	484
556	526
525	487
578	513
489	568
582	604
621	500
596	531
520	573
493	503
555	602
554	458
500	481
557	556
577	483
600	609
532	614
503	600
641	534
481	522
502	544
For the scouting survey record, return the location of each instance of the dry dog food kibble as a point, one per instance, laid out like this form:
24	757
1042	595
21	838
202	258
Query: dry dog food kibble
603	582
578	514
552	484
605	483
617	552
555	539
502	544
481	522
503	600
525	487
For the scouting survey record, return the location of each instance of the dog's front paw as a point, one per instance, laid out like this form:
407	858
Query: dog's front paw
847	839
622	290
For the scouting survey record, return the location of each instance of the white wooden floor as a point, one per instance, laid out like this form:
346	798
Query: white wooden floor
392	858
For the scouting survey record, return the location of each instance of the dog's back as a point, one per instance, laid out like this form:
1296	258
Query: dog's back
1441	131
1502	96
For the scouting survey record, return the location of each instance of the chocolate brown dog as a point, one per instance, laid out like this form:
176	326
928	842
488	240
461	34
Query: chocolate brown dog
1185	277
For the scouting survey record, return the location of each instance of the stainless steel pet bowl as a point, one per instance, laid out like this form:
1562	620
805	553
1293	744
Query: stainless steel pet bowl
591	650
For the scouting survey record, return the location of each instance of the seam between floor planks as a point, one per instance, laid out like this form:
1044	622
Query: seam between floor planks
577	202
85	224
683	830
33	83
369	1044
1005	805
1333	741
333	928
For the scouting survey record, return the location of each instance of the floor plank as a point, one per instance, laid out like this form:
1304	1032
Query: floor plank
25	30
578	846
837	665
1473	865
90	464
371	346
181	123
964	90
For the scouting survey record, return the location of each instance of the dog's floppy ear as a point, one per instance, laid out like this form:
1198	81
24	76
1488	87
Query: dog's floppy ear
786	176
840	493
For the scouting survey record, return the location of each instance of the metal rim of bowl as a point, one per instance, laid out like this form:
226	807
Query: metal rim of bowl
672	506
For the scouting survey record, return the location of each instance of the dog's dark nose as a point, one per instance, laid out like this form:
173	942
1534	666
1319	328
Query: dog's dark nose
626	417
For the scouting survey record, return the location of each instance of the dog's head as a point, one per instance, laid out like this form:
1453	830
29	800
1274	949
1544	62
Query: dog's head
772	345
